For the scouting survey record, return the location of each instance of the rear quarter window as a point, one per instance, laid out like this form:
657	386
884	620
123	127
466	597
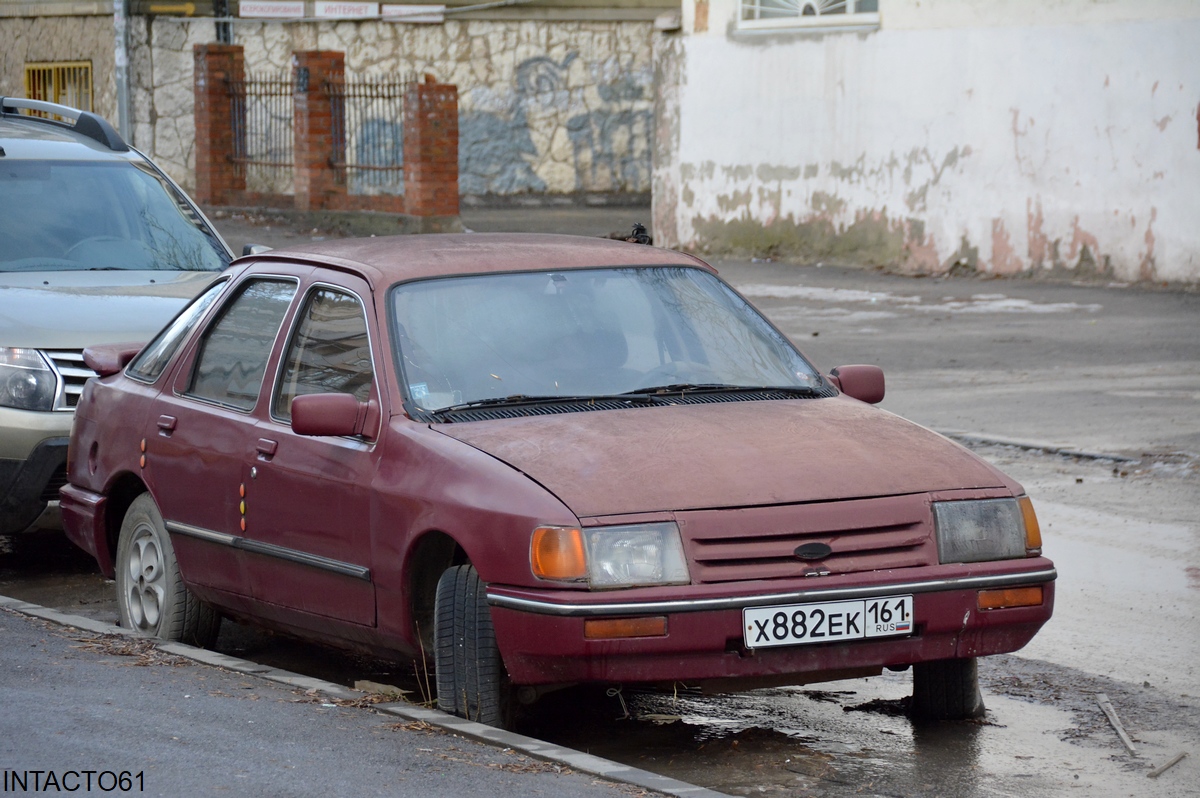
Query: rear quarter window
150	363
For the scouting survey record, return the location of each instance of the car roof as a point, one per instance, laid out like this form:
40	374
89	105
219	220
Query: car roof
390	259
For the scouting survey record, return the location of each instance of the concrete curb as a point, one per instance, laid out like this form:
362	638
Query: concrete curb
1035	446
568	757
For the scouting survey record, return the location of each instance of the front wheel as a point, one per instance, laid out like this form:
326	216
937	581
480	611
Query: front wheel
947	690
151	597
471	681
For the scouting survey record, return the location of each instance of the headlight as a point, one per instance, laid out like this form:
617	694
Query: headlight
989	529
26	380
610	556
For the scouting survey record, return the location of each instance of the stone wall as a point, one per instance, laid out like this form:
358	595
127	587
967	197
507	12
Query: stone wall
60	38
545	107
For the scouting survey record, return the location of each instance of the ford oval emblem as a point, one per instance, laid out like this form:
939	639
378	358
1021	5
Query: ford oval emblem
814	551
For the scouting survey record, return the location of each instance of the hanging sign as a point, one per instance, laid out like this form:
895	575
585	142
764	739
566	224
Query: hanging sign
271	9
410	13
335	10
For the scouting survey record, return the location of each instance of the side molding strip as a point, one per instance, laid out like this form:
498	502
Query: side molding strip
763	600
271	550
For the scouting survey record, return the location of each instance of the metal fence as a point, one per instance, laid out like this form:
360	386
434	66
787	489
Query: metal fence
368	144
263	144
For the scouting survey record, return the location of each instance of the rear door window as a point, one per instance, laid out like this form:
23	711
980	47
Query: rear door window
234	352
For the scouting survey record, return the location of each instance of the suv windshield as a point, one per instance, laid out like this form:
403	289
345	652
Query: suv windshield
584	333
87	215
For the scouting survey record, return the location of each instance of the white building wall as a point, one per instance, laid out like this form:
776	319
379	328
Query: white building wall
1003	136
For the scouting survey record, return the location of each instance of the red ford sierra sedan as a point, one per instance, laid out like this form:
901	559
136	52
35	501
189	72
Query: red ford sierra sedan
540	461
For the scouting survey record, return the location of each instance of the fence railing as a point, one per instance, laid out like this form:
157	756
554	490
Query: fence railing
263	114
314	141
368	133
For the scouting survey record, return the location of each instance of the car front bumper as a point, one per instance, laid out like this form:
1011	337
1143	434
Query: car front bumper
542	637
27	484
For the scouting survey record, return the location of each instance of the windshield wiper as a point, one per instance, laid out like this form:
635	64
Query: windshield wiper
716	387
521	400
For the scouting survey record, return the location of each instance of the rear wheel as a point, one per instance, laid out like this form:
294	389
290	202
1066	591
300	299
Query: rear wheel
471	681
947	690
151	597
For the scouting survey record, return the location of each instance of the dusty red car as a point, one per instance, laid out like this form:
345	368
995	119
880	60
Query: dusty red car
541	461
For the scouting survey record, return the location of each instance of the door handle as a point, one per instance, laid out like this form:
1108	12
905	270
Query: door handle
166	424
267	448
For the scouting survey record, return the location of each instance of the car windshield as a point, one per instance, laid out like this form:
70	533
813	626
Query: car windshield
584	333
87	215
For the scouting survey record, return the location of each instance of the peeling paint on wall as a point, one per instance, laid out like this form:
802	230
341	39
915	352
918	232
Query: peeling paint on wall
872	238
1004	258
1038	242
1146	268
916	199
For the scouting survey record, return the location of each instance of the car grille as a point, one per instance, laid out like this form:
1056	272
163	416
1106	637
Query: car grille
70	366
760	543
56	481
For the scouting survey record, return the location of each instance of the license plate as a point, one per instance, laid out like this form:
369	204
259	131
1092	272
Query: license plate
828	621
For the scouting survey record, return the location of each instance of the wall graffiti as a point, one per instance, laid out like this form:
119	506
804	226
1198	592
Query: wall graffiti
378	143
609	143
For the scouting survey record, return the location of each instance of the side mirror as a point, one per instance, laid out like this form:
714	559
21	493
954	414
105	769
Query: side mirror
864	383
254	249
328	414
108	359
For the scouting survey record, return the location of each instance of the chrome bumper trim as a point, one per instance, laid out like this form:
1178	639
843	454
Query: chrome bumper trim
762	600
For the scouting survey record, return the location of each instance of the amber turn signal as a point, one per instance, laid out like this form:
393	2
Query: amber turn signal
1033	532
556	552
1010	597
610	628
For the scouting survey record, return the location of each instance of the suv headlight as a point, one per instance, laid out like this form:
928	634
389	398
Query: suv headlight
610	556
26	380
987	529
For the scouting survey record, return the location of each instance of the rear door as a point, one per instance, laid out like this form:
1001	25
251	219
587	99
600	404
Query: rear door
202	428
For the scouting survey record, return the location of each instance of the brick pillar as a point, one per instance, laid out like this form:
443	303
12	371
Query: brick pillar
431	149
317	117
217	177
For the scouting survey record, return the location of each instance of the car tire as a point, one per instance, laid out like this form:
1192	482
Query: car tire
151	597
947	690
471	681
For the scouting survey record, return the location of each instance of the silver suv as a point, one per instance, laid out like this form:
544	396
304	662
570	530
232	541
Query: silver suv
97	245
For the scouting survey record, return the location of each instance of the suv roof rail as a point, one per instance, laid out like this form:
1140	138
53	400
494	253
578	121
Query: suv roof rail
94	127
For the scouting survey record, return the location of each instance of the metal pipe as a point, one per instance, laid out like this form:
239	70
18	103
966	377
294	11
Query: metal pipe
121	61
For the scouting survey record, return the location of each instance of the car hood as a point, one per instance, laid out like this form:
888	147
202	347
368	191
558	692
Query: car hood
72	310
739	454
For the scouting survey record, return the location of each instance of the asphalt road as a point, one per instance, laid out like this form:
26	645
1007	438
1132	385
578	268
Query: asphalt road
127	714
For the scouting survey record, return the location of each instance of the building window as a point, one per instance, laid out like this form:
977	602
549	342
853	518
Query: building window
820	14
65	82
